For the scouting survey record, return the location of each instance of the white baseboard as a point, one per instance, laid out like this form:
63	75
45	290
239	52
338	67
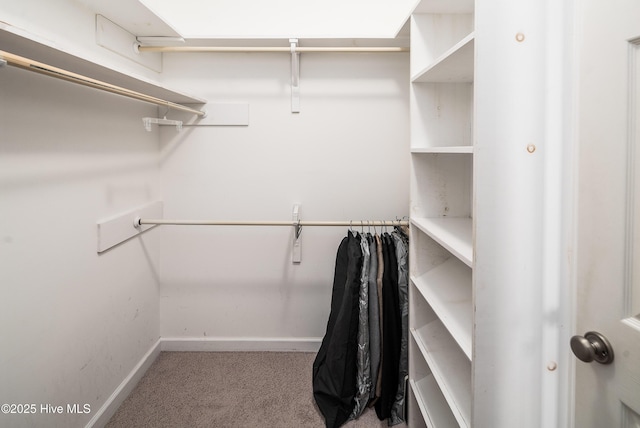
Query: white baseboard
123	390
227	344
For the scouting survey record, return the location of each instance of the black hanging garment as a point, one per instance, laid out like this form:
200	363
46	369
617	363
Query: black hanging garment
391	329
398	410
363	354
334	368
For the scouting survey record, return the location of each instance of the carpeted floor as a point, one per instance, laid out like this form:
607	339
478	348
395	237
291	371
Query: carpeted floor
228	389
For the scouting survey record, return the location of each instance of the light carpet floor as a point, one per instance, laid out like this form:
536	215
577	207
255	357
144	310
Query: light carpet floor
228	389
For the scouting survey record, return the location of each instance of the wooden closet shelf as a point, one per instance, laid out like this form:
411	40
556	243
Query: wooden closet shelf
453	233
447	289
450	367
455	65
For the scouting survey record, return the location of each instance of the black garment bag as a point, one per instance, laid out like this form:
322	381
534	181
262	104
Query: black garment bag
334	369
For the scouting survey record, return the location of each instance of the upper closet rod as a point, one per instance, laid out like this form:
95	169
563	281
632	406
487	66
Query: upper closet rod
299	49
38	67
138	221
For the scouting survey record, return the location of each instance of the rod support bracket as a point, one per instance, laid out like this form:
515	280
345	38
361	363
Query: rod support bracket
296	255
295	76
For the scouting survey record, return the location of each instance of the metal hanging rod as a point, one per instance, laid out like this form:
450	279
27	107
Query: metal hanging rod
293	49
140	221
113	232
299	49
38	67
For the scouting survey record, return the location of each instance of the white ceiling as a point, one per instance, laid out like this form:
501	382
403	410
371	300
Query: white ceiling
131	15
202	19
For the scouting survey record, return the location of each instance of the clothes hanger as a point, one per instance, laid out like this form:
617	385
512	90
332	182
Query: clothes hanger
164	121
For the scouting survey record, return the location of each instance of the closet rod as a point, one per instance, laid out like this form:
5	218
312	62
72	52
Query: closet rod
298	49
39	67
359	223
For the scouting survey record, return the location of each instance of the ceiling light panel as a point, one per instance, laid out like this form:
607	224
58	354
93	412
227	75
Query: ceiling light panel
202	19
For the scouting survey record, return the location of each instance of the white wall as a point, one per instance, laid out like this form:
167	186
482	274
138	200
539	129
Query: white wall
344	157
73	323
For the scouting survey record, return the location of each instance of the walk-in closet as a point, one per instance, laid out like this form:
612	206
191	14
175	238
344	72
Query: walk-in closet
412	213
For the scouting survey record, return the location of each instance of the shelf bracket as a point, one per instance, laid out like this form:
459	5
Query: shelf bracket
296	255
295	77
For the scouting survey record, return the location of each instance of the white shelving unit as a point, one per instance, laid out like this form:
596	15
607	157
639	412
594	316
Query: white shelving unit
442	246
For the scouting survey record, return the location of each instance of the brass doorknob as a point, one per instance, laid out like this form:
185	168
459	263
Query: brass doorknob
593	346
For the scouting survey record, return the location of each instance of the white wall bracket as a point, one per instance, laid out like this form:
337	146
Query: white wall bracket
117	229
295	77
296	254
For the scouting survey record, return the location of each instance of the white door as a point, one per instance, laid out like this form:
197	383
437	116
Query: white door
608	239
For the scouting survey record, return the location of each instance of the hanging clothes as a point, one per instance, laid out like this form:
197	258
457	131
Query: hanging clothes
398	409
334	368
380	313
363	364
391	329
375	348
363	358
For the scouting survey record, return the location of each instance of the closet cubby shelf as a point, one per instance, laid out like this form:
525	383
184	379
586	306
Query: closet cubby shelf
453	233
447	289
455	65
450	367
432	403
442	149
